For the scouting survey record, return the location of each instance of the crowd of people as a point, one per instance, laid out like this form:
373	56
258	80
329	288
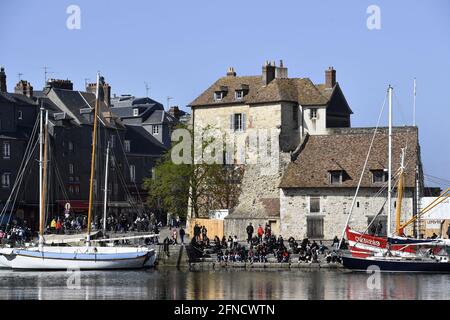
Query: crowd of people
261	245
71	224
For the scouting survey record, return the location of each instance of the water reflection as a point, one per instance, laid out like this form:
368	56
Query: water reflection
226	284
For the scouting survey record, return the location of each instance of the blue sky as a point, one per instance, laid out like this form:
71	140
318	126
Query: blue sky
181	47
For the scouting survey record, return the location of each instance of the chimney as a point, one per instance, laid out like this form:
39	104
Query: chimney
281	72
59	84
105	90
107	94
25	88
268	73
175	112
2	80
231	72
330	77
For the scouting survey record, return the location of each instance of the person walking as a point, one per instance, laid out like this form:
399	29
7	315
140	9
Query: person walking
182	233
249	232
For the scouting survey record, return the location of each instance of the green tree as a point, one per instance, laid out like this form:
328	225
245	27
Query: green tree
204	186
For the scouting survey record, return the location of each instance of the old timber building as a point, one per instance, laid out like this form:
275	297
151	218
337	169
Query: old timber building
319	158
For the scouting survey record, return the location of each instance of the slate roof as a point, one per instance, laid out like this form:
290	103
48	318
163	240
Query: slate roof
124	107
72	102
346	149
17	98
301	90
142	142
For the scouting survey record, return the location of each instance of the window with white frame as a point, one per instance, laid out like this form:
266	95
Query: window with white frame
218	95
6	150
238	122
127	145
313	113
70	168
132	173
70	145
155	129
239	94
19	115
135	112
6	180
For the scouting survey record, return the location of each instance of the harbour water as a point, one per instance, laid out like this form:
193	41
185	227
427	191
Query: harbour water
224	284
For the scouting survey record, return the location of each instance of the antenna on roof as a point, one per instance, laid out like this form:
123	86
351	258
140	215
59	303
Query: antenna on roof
46	73
147	89
168	102
20	76
86	82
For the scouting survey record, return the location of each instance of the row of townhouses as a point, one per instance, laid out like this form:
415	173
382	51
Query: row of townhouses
136	129
319	157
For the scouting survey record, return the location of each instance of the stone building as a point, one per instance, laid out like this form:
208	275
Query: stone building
289	109
317	189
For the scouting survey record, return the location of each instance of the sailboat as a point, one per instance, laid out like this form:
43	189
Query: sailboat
395	253
363	245
89	257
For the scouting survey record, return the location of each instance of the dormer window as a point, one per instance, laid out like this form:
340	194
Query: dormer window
336	177
313	113
135	112
239	94
379	176
20	115
218	95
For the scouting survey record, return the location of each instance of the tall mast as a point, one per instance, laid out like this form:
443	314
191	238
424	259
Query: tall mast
398	208
414	104
91	183
44	178
41	162
389	164
106	190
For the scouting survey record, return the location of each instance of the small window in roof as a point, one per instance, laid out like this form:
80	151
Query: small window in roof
239	94
218	95
135	112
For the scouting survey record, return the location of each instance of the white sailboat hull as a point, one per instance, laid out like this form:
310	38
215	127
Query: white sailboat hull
79	258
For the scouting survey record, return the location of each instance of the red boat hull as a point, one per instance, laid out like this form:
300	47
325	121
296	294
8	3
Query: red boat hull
363	245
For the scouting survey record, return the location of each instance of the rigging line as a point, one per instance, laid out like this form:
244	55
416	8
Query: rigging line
26	155
363	170
127	192
21	175
128	165
438	178
400	108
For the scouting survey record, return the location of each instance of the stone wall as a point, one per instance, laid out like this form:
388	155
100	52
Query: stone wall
335	205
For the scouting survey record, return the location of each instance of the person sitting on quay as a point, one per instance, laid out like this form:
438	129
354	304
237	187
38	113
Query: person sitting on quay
204	232
235	242
197	232
224	242
230	242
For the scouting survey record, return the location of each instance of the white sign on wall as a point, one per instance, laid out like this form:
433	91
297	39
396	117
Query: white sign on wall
218	214
439	212
433	224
